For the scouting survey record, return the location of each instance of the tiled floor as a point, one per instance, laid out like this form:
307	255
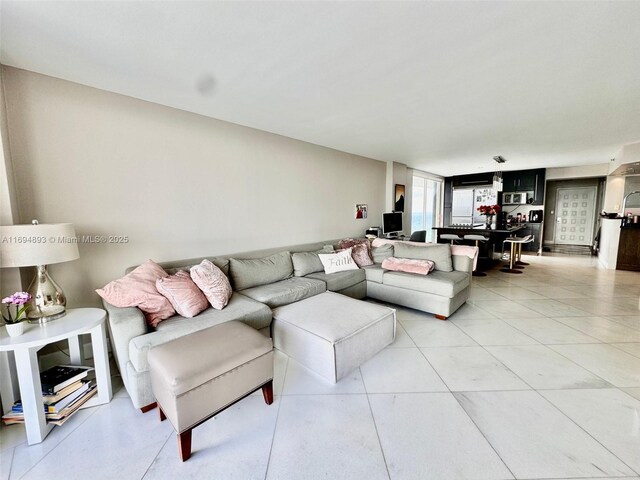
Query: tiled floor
538	376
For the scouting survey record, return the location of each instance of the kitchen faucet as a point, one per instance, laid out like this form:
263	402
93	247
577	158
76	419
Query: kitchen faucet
624	201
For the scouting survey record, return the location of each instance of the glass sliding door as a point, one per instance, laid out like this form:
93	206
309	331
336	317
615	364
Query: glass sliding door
425	204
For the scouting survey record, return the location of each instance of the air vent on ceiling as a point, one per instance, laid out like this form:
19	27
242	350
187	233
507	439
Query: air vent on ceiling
499	159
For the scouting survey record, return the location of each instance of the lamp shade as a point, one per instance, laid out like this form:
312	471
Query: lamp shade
41	244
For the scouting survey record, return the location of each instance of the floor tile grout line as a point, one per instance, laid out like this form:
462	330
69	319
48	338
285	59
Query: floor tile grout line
585	333
586	432
587	369
275	425
436	371
63	439
568	326
157	455
615	345
375	426
13	454
575	363
513	475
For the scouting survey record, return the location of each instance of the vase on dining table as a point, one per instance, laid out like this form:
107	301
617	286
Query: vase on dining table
489	221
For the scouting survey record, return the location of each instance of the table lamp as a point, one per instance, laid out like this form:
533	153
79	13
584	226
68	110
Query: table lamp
40	245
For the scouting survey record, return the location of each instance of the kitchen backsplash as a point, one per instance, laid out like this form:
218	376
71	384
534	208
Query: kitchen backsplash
514	210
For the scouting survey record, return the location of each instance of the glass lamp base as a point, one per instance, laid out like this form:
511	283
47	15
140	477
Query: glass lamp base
47	314
47	298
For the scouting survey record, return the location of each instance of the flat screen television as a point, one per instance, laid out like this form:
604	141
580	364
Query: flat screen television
391	223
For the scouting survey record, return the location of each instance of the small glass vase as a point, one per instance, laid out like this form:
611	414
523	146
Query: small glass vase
15	329
489	221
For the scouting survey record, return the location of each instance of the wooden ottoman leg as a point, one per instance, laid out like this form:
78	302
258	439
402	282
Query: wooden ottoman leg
440	317
149	407
267	392
163	417
184	445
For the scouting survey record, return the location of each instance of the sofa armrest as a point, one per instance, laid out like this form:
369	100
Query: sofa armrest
462	263
124	324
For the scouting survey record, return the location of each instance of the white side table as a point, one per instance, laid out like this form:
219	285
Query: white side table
76	322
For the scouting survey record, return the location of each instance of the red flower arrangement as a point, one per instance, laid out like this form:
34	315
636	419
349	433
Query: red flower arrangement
489	209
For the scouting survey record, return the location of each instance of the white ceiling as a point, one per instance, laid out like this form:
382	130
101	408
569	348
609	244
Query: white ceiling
440	86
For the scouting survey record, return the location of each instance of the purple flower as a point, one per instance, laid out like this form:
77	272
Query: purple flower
20	298
18	301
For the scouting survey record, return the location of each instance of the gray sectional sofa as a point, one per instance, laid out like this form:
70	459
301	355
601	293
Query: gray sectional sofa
266	279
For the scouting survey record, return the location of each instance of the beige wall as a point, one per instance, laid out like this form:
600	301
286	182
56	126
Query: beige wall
177	184
583	171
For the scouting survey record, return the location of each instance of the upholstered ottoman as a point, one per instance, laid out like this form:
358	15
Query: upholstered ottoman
332	334
197	376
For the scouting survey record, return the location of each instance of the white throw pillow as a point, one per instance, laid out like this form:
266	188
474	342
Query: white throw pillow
338	262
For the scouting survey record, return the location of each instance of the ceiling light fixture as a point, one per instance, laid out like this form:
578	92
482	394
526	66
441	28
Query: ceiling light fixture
497	175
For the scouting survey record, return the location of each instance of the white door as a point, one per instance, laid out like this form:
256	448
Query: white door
575	214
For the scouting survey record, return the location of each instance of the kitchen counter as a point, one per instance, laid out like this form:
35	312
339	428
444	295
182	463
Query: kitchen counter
609	240
496	236
471	229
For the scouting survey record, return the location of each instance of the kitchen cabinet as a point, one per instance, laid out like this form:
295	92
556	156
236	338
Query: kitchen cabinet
526	181
534	229
629	249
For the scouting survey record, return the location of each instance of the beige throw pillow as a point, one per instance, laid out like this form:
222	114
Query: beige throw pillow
338	262
213	283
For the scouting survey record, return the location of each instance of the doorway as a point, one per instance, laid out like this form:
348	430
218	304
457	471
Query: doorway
575	216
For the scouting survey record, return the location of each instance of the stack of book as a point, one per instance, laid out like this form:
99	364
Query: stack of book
65	388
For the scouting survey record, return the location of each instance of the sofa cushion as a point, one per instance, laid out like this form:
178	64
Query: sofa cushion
246	310
339	280
286	291
440	254
253	272
305	263
446	284
221	263
382	252
374	273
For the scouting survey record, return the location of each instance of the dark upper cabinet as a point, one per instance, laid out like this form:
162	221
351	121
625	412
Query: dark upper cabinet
510	181
525	181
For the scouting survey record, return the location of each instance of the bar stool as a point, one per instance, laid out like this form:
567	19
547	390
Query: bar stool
477	239
450	236
519	262
514	243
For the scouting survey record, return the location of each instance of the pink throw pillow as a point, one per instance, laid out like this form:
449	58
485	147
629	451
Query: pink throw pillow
213	283
183	294
361	255
361	252
350	242
138	289
420	267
